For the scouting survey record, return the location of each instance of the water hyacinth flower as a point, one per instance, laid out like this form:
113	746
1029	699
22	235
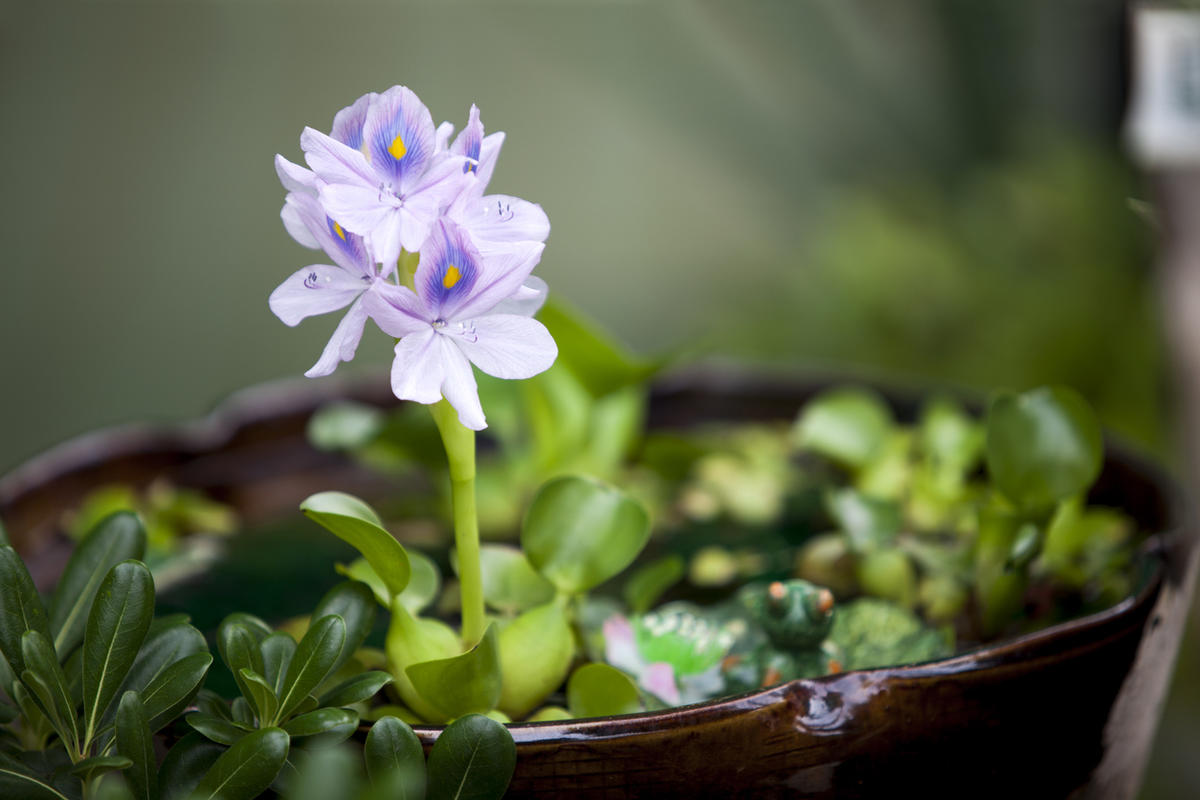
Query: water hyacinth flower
394	185
466	309
323	288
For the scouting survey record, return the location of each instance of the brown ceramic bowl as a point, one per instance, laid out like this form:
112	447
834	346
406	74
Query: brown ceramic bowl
1069	711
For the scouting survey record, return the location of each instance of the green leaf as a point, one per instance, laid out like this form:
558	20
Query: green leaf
355	689
255	626
240	650
18	781
51	686
218	730
118	537
473	759
170	692
186	763
247	768
323	720
647	584
846	425
135	741
950	439
598	690
536	650
579	532
510	583
261	696
463	684
354	602
411	640
277	651
241	713
89	768
315	657
23	610
117	625
599	363
168	642
423	583
394	756
1043	446
344	426
353	521
327	774
868	523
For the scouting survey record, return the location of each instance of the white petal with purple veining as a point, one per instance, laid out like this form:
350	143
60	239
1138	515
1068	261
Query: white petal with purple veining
344	342
418	367
527	300
506	345
397	310
316	289
459	387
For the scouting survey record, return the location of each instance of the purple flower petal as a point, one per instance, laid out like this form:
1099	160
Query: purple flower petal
356	207
294	177
447	271
348	123
294	223
469	141
399	136
344	342
620	645
527	301
501	274
347	249
499	218
418	367
459	387
506	345
334	162
396	310
316	289
442	135
659	679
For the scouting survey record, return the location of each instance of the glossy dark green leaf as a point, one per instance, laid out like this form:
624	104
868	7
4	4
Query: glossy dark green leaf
89	768
315	657
116	538
240	650
329	774
510	583
598	690
215	729
354	602
117	625
51	684
647	584
18	781
136	742
579	532
247	768
167	643
261	696
23	610
241	713
323	720
8	713
355	689
1043	446
254	625
213	704
277	651
846	425
73	669
463	684
393	754
353	521
186	763
473	759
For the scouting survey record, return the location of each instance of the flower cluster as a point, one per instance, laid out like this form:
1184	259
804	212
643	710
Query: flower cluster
385	182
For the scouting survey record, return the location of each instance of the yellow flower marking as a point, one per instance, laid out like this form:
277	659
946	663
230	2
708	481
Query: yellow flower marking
451	277
397	148
338	230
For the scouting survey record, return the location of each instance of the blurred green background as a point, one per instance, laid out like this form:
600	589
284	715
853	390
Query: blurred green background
930	190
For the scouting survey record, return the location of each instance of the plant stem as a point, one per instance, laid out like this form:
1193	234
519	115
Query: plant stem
459	442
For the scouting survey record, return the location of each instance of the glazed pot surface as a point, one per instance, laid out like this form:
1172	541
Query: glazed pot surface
1067	711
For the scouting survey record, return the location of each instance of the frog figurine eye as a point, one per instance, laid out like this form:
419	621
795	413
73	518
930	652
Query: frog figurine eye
794	614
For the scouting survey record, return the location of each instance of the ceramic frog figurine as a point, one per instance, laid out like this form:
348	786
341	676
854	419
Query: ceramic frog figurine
785	636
